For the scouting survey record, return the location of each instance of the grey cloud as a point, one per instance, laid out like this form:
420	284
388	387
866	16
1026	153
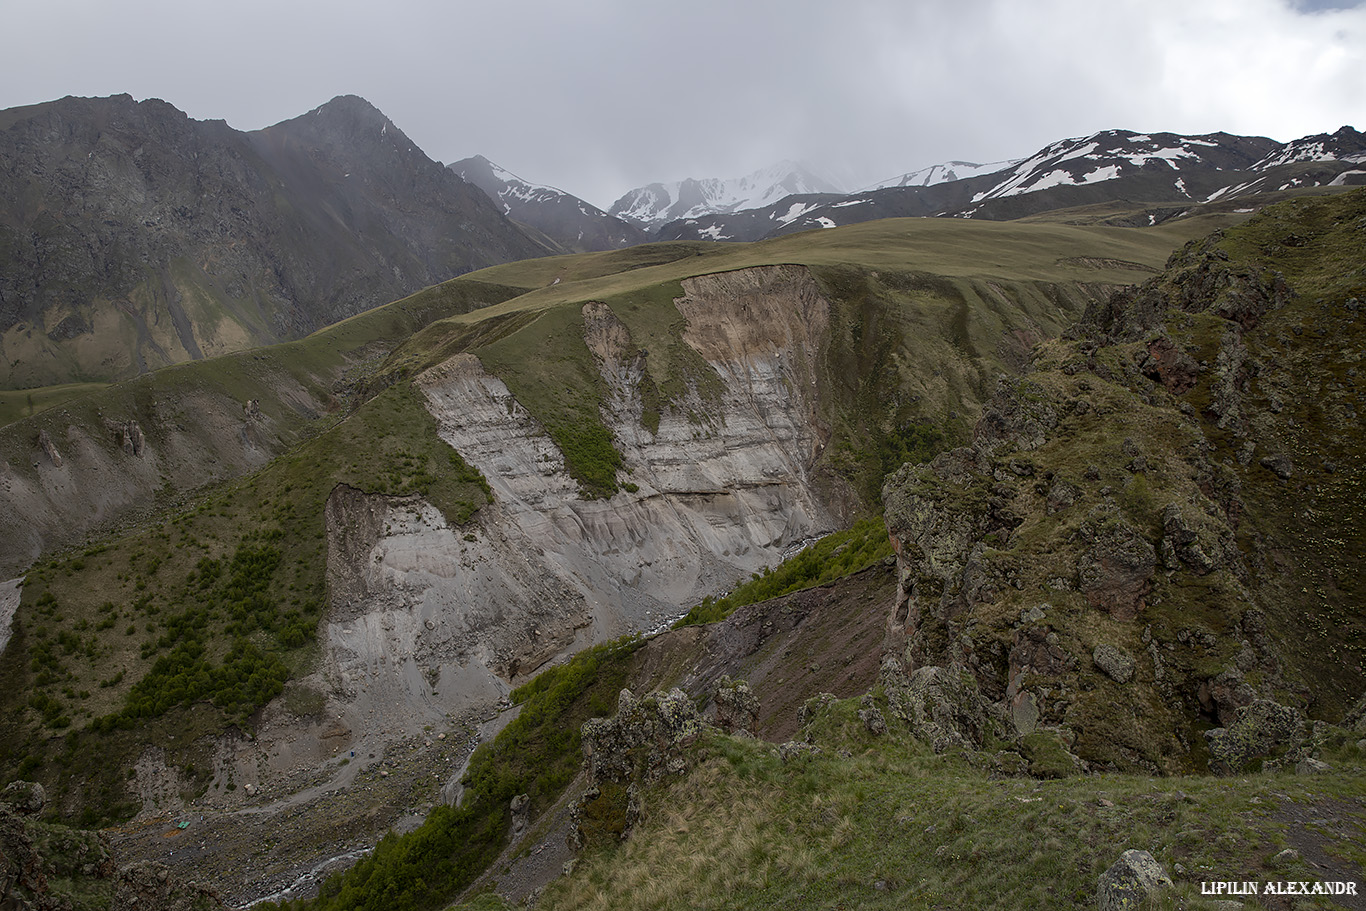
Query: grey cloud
602	95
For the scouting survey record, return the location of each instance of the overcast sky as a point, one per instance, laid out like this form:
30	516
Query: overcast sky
599	96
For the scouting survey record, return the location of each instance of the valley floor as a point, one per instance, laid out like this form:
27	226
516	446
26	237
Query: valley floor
288	835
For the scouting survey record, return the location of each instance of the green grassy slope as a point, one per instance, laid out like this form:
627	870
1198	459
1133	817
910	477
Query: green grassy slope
967	297
22	403
949	247
882	822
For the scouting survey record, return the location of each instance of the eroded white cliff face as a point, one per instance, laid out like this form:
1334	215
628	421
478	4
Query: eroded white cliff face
717	499
427	618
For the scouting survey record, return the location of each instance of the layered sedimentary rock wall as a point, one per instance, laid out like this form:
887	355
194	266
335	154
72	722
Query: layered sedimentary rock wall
426	616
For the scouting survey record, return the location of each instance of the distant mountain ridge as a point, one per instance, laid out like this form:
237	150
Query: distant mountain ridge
132	236
1163	169
576	225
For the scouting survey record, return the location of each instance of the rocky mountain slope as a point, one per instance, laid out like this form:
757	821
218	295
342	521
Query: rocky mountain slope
47	867
575	225
1150	548
944	173
132	237
1143	178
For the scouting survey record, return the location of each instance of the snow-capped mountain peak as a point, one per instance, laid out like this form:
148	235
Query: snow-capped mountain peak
660	203
1345	145
1107	155
504	186
575	224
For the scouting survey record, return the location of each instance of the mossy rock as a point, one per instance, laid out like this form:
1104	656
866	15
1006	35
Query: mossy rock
605	817
1048	756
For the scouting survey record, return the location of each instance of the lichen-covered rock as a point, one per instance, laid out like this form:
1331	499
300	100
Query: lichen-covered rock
1037	650
813	707
42	865
23	880
1115	573
1280	465
1354	719
1282	860
1311	766
1061	496
939	705
1259	730
1225	694
25	798
151	886
646	740
794	748
520	810
1130	882
1181	542
737	707
1114	662
1169	365
871	716
642	737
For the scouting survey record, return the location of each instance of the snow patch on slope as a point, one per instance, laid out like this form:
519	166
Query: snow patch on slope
943	173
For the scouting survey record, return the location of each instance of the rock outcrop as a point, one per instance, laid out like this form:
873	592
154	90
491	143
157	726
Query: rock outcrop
711	501
43	867
1257	731
427	619
1131	882
737	708
1147	482
643	742
940	706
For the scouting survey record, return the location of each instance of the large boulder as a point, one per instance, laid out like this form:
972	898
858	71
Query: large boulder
24	798
737	707
1114	662
941	706
1259	730
1130	882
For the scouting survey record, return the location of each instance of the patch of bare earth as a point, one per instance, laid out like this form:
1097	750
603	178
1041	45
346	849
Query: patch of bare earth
1317	831
826	639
